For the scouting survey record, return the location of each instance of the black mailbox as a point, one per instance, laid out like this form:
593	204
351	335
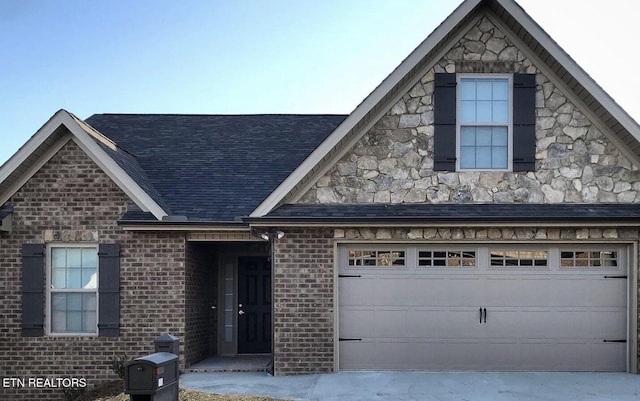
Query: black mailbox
167	343
152	378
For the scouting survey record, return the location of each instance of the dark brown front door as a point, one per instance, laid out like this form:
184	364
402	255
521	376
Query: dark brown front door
254	305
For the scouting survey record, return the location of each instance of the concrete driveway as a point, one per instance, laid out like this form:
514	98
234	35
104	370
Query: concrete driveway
423	386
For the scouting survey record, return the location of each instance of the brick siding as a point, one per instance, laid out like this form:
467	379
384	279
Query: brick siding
201	293
304	302
71	195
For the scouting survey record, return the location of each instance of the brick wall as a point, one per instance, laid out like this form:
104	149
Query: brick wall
71	195
304	302
201	293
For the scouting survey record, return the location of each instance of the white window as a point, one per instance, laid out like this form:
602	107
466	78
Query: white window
588	258
446	258
484	122
73	289
374	258
518	258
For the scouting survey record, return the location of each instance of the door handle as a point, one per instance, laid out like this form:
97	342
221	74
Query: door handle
485	315
480	315
240	312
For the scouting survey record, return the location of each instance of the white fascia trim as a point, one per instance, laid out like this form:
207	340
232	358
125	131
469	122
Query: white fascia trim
572	67
32	144
89	146
111	168
51	151
364	108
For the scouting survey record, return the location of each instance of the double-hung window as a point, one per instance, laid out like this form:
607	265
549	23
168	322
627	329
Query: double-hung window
484	123
73	289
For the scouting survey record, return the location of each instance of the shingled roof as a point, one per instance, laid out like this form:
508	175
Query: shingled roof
214	168
465	213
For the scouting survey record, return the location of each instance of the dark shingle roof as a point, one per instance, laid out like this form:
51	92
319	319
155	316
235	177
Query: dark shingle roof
455	213
211	167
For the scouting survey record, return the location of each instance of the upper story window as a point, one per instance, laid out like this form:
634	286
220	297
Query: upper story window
484	112
484	122
73	289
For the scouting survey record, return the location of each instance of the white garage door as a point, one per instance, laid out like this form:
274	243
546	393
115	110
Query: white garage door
482	308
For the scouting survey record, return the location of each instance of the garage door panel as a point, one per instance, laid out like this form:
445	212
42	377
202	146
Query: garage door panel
516	291
391	322
503	355
356	291
537	318
609	323
356	320
568	291
608	292
504	323
391	353
446	354
357	355
452	323
608	357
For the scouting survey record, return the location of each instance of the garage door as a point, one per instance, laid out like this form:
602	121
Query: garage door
482	308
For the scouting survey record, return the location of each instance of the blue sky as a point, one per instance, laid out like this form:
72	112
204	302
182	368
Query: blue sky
252	56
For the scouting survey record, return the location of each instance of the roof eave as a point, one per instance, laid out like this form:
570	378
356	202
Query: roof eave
186	225
574	70
422	221
365	107
83	138
439	34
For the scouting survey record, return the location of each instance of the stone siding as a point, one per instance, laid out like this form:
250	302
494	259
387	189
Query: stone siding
304	302
70	198
393	161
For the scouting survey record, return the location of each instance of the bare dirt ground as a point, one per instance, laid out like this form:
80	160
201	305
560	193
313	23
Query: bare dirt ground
113	391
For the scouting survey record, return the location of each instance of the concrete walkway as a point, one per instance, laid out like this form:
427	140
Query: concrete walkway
423	386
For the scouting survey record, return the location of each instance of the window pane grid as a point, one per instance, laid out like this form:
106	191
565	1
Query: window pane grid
374	258
484	100
484	112
73	312
73	299
518	258
586	258
446	259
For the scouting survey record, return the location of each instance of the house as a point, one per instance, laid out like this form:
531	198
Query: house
479	210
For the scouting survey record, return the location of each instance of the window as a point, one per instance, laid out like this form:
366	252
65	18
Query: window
73	289
74	307
589	259
386	258
483	123
517	258
446	258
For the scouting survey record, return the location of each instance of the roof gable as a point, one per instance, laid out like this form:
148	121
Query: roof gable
50	138
609	118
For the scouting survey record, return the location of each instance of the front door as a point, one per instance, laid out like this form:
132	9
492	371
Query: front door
254	305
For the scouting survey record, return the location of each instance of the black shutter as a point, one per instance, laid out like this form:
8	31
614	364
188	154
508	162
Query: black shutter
32	290
109	290
524	122
444	115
